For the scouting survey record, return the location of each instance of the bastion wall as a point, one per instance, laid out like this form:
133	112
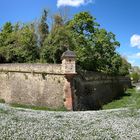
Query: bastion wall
47	85
92	90
32	84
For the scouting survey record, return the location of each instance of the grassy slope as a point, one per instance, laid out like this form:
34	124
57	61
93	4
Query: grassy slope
130	99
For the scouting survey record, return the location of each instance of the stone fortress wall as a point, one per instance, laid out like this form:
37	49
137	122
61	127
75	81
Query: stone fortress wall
32	84
92	90
57	86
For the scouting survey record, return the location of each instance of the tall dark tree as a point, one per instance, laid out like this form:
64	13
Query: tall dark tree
56	43
5	41
43	28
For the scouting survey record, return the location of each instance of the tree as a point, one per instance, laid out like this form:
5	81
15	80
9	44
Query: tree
2	59
125	67
56	43
83	24
27	49
43	28
5	33
135	76
95	47
5	41
18	44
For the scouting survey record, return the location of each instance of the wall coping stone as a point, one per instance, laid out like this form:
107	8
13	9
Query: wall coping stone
32	68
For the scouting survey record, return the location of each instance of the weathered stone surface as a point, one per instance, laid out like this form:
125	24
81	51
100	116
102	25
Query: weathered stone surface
32	68
19	85
92	90
47	85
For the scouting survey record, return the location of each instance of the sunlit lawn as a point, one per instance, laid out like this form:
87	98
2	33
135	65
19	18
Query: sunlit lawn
131	98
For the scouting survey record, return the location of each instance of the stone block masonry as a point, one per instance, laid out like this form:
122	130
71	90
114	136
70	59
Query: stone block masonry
39	84
57	86
32	84
48	85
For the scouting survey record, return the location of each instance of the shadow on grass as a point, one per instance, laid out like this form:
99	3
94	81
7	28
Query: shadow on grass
37	107
99	105
125	94
2	101
126	99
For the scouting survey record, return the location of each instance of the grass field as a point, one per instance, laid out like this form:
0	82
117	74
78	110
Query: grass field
130	99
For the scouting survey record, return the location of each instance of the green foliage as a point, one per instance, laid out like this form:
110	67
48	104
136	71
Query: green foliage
83	27
135	76
83	24
37	107
18	44
28	49
95	47
124	68
57	42
2	58
135	73
2	101
43	28
130	99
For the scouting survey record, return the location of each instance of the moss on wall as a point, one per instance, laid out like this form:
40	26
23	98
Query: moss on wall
93	90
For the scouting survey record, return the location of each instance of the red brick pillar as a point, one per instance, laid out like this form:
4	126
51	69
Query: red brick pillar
68	92
69	70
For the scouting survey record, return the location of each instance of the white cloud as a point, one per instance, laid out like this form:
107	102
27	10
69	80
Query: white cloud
74	3
134	59
134	56
135	41
132	62
138	55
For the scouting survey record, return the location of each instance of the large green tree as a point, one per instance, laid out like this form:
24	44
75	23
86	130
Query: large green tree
125	67
18	43
59	39
95	47
6	41
27	49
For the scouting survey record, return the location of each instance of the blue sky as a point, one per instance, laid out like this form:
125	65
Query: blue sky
118	16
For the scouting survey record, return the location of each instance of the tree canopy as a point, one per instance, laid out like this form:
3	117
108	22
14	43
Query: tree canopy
18	44
94	46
